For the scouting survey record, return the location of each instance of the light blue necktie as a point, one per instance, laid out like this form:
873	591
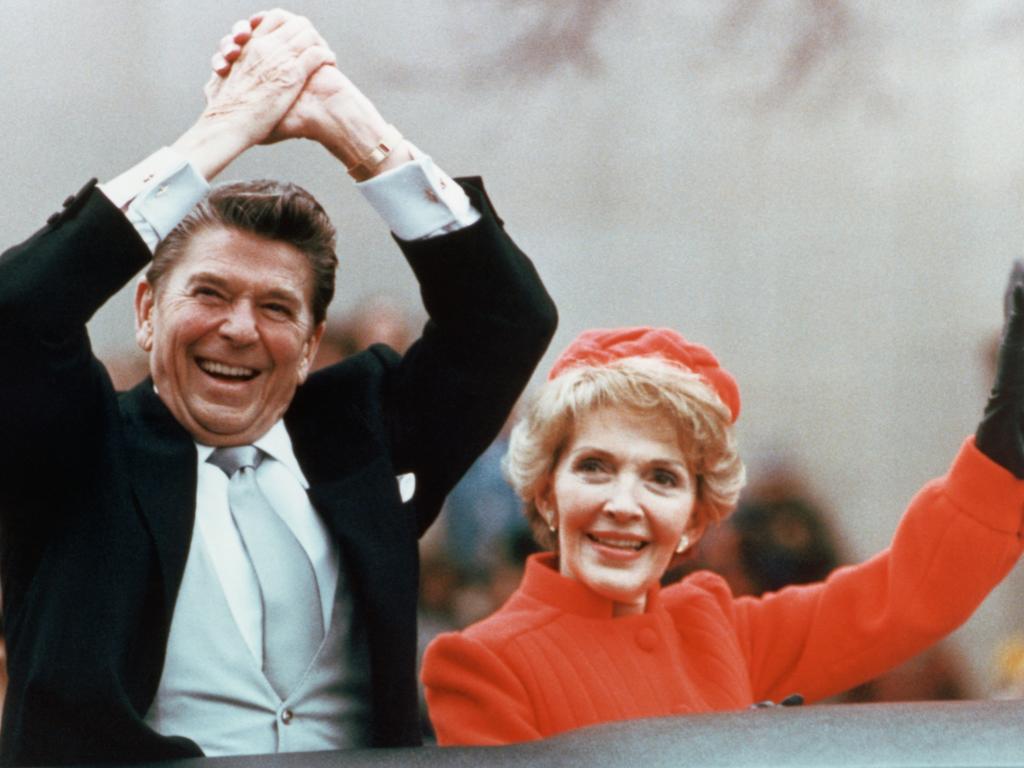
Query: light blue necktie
293	625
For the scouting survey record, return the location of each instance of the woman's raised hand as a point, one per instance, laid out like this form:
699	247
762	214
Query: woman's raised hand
1000	435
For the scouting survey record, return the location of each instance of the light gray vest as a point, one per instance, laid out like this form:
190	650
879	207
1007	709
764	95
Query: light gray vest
213	691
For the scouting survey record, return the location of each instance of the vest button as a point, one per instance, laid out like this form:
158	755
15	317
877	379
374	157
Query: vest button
286	716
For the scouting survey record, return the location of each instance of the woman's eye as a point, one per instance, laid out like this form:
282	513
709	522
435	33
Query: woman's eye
666	478
589	465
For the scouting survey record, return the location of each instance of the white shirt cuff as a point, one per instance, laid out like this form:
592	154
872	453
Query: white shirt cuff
418	200
157	194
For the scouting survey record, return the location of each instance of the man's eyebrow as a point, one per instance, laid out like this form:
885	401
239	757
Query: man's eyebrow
206	277
212	278
282	293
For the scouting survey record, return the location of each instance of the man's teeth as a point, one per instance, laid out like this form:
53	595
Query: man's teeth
621	543
220	369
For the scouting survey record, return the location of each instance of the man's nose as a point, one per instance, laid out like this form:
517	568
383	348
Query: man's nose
240	323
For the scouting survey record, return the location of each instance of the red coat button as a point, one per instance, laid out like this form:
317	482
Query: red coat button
647	639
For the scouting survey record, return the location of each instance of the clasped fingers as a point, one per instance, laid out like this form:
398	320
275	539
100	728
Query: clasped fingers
261	67
267	42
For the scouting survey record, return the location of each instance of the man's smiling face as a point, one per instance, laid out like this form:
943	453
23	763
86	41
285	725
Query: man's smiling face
229	332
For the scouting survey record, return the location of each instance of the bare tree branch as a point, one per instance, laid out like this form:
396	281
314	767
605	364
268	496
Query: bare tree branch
560	33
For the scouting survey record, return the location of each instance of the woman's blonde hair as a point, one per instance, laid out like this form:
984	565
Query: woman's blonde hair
640	384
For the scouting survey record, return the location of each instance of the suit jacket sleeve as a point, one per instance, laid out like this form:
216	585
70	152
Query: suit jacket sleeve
53	389
490	322
959	537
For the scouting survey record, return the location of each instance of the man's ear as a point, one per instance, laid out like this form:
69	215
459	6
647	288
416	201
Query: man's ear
144	300
309	351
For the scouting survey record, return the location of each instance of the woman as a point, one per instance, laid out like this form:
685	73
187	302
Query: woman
624	458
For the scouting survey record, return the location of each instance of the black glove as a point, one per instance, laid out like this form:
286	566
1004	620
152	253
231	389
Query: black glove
1000	435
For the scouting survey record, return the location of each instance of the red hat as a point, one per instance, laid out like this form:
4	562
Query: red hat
601	346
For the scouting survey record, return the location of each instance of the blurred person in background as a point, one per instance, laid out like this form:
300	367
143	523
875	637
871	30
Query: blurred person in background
377	319
483	516
776	537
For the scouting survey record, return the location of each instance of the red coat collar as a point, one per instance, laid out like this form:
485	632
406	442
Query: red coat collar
543	582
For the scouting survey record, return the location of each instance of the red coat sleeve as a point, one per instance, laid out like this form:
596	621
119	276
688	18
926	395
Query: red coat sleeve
959	537
472	695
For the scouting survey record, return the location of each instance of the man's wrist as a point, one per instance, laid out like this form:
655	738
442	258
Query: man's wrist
349	126
211	144
354	150
375	158
418	200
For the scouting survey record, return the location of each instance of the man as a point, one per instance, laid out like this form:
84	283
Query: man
144	619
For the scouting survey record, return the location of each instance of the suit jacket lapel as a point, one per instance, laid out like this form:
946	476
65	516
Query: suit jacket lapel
162	457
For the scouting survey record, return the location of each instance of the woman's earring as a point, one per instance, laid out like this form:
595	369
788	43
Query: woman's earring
549	519
684	543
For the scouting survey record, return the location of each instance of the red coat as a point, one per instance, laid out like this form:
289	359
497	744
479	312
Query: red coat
553	658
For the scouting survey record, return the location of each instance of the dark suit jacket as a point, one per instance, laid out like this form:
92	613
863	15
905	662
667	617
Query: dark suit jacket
97	492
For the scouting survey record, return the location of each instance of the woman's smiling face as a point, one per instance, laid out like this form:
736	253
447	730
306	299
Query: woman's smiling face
622	496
